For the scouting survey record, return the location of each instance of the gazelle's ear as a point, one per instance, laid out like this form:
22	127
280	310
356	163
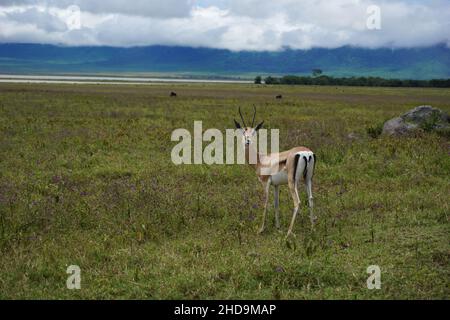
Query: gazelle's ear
237	124
259	126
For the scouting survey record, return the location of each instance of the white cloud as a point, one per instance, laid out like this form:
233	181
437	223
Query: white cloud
148	8
42	19
233	24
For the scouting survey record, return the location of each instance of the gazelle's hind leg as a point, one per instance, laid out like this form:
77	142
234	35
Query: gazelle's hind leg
308	184
312	217
266	194
276	194
296	199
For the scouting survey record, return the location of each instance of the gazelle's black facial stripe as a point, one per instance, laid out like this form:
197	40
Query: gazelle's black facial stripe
248	134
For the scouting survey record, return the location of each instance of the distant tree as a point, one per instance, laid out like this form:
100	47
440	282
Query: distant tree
324	80
271	80
290	80
316	72
258	80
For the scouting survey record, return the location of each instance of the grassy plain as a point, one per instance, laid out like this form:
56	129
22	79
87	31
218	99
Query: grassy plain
86	179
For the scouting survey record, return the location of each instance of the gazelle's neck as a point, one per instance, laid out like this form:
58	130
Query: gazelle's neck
249	150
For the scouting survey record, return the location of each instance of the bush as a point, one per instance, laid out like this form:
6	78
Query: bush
375	131
431	123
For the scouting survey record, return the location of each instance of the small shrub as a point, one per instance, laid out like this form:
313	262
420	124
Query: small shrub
431	123
443	132
375	131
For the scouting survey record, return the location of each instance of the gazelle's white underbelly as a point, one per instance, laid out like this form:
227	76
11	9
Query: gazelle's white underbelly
279	178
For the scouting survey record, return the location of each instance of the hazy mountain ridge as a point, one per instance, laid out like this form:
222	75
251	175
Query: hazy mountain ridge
416	63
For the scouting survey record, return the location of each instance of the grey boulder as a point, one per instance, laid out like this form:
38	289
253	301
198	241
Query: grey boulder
422	117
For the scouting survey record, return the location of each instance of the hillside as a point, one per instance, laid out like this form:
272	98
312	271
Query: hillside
416	63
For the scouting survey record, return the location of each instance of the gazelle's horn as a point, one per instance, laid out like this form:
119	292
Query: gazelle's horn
254	114
243	121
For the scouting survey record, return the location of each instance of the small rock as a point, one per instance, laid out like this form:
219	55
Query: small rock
279	269
345	245
352	136
253	254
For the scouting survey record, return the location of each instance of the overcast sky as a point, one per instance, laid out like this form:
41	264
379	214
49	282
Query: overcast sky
229	24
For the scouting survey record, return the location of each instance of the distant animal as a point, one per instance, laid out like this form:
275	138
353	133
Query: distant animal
279	96
288	167
173	94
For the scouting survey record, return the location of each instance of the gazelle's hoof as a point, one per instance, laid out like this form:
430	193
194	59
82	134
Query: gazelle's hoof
313	220
289	234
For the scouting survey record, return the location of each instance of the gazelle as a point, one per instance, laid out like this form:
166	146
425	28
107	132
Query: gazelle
276	169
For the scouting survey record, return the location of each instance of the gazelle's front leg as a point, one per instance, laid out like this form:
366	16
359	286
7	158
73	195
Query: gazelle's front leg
276	197
266	194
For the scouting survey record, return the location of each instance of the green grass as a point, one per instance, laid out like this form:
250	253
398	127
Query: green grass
86	179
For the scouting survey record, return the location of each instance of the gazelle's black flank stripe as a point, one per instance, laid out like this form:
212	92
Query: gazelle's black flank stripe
305	171
297	156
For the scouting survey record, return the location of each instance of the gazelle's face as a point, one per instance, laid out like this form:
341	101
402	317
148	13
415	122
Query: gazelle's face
248	136
248	133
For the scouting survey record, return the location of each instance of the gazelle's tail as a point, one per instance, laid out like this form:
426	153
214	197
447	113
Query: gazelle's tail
304	164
